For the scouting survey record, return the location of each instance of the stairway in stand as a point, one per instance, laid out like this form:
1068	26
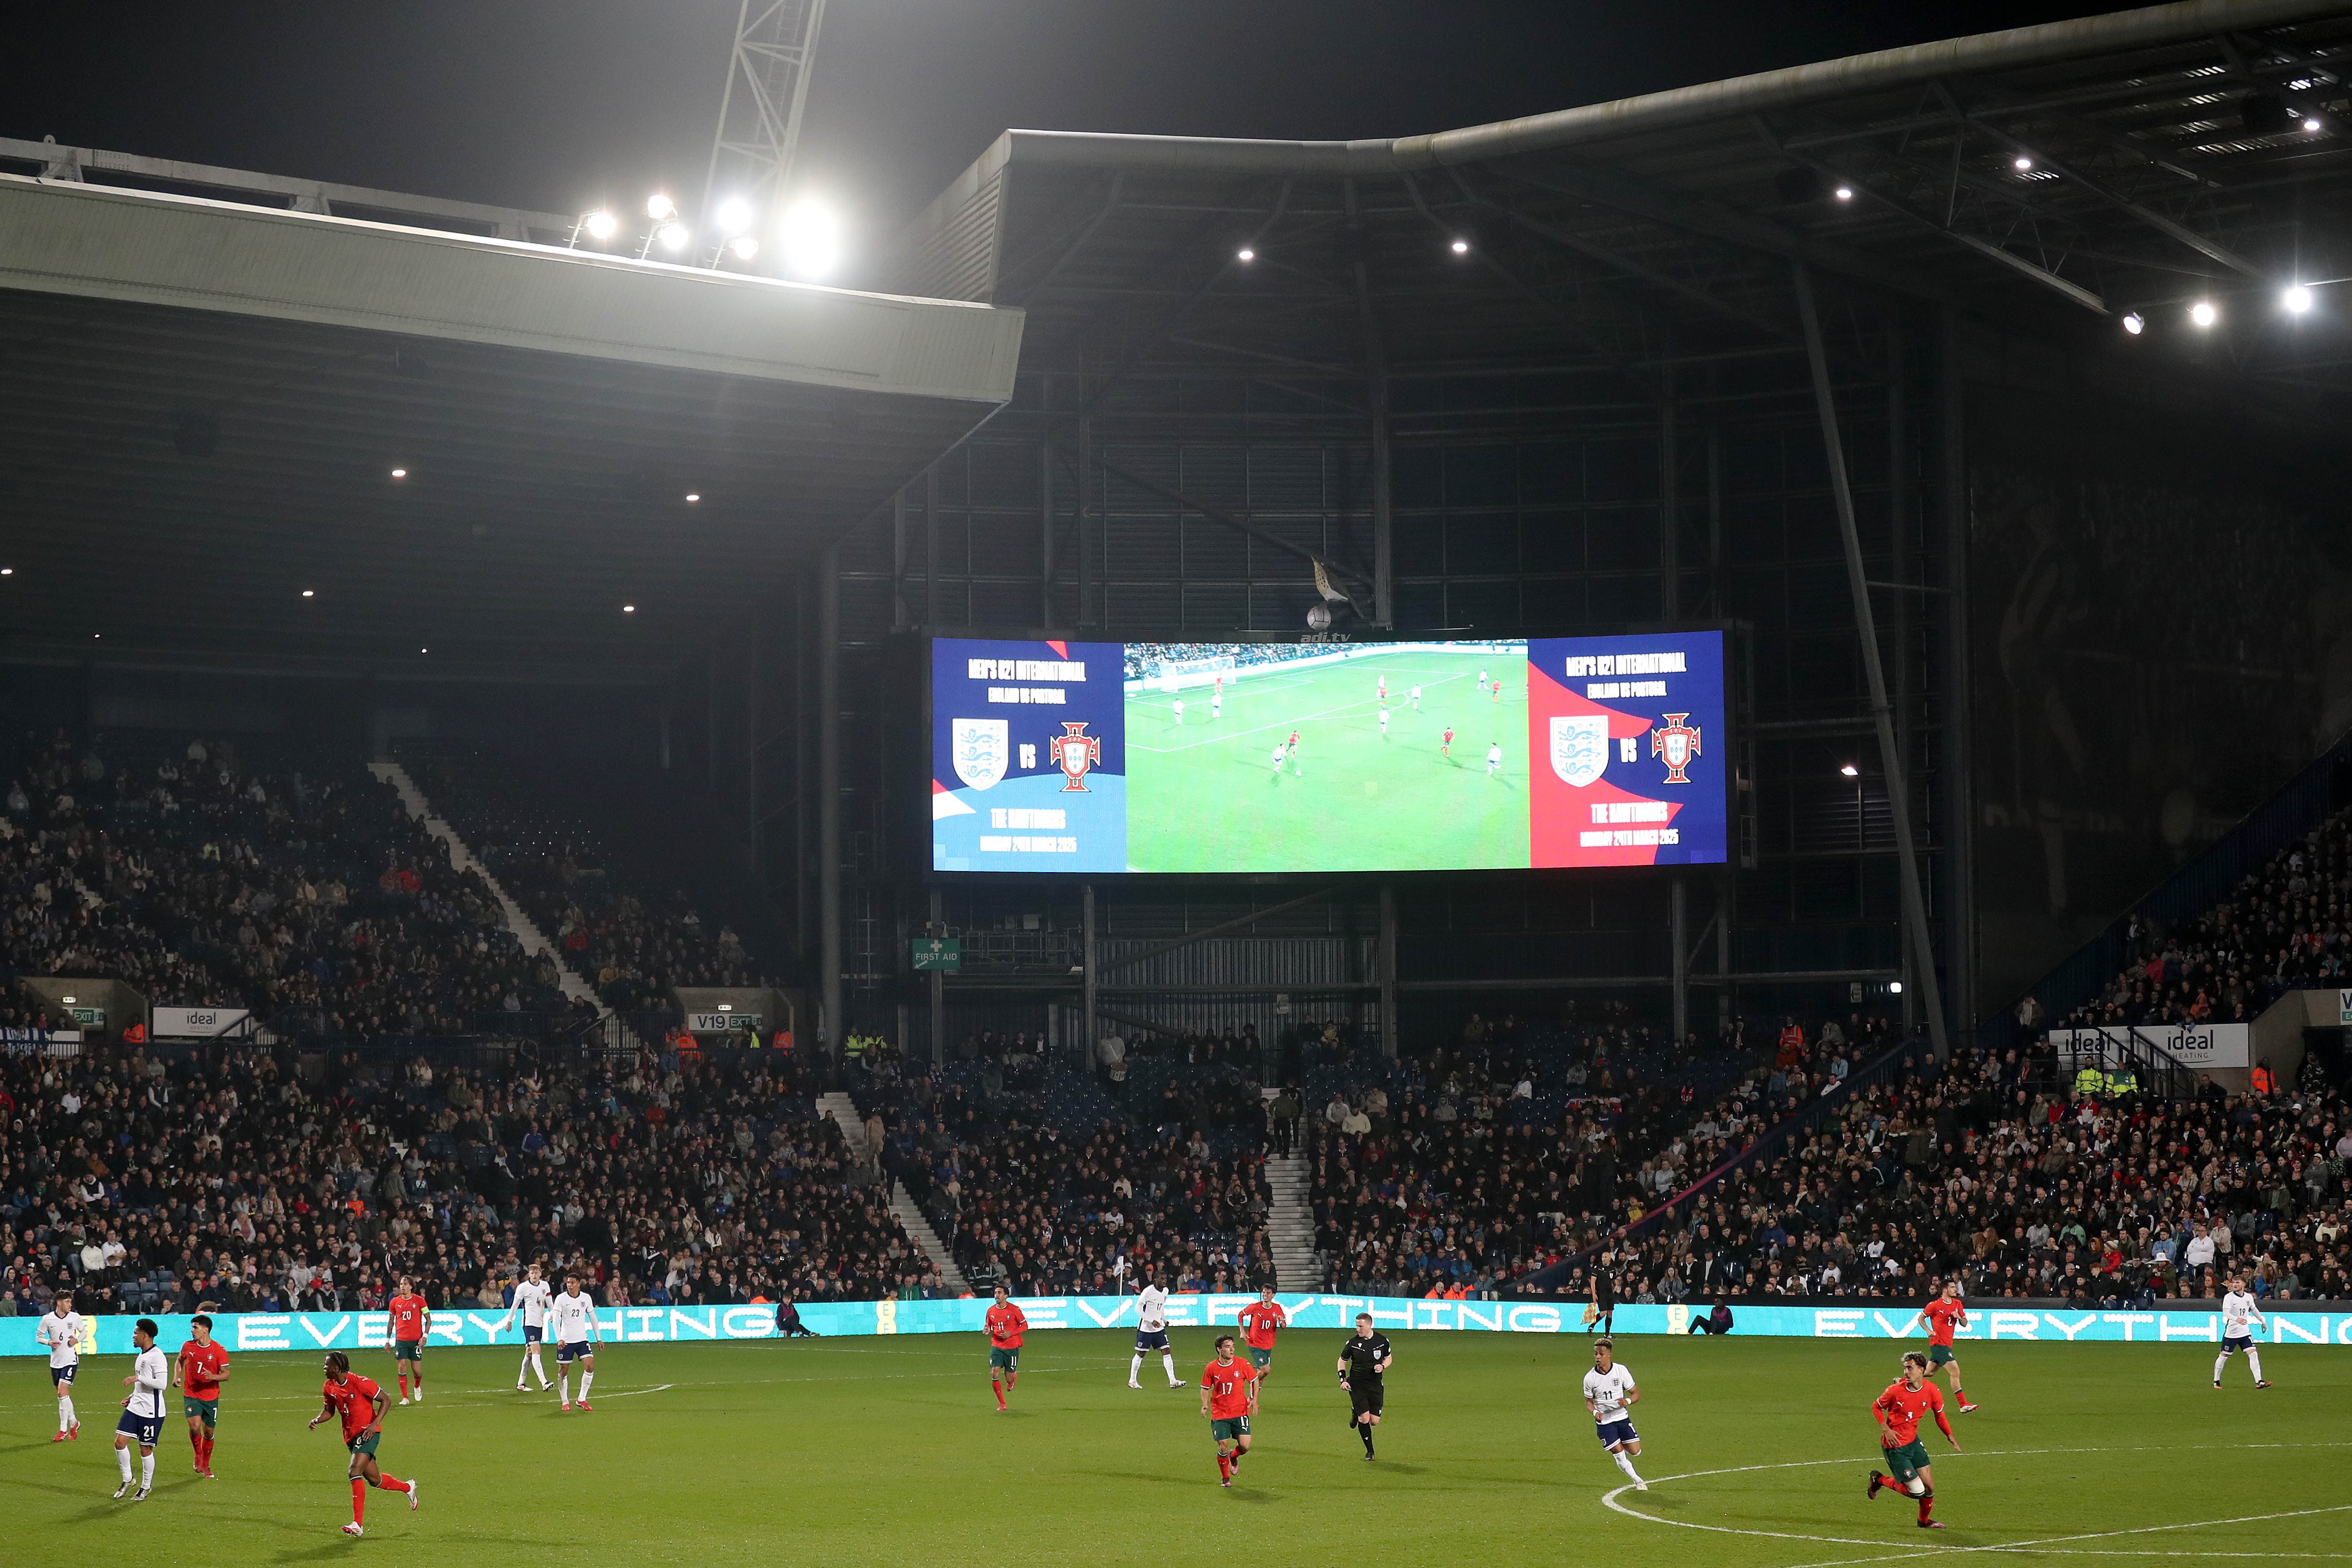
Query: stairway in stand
1290	1226
534	940
911	1218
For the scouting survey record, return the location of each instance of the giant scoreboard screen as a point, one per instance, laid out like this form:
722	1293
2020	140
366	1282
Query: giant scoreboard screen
1271	757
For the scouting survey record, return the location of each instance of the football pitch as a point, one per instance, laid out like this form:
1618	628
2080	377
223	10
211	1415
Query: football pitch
1203	795
888	1450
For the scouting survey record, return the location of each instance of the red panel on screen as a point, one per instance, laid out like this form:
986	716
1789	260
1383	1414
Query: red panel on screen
1566	781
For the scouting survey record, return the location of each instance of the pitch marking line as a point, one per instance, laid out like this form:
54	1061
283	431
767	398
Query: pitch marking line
1610	1499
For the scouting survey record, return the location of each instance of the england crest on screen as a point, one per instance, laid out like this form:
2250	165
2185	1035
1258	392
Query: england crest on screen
982	747
1580	747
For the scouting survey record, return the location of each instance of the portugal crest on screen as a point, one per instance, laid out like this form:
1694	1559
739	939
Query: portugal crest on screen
1073	751
1580	747
1677	742
982	747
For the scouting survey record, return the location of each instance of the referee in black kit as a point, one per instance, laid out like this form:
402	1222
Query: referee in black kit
1364	1361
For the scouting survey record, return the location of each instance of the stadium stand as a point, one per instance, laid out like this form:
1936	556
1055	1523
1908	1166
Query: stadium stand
631	940
253	1179
290	883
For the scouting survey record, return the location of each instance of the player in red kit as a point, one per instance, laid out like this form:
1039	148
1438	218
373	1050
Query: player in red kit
1261	1321
409	1319
1897	1413
1005	1326
1944	1316
1447	748
203	1366
1229	1398
361	1402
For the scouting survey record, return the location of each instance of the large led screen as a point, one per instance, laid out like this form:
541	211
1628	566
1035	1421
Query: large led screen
1265	757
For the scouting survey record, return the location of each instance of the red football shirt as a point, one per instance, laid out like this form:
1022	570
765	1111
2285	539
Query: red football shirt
1903	1406
1005	1326
1228	1382
201	1366
407	1317
354	1399
1943	1317
1261	1321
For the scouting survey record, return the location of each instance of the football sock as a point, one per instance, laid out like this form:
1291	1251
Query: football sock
146	1469
1625	1463
1926	1505
2219	1363
585	1379
1169	1362
1135	1367
404	1385
1365	1432
2255	1364
1224	1468
563	1380
359	1500
391	1483
208	1447
122	1463
196	1442
996	1385
539	1369
65	1411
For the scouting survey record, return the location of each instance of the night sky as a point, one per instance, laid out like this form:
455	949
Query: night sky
563	107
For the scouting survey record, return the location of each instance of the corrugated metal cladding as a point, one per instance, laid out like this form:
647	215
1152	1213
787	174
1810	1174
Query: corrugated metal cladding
951	253
1231	1015
1278	962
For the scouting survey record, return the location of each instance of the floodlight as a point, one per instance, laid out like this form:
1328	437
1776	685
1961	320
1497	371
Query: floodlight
400	473
1895	986
7	571
812	239
2021	163
735	215
744	246
1245	254
693	495
673	236
1849	771
2204	313
600	224
2311	122
2297	299
308	594
1845	192
2135	323
628	609
1460	247
660	208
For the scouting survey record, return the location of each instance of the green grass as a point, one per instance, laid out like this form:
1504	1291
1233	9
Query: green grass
888	1451
1203	796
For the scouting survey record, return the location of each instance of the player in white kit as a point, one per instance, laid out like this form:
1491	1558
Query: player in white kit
1151	1334
2239	1314
142	1421
1609	1394
1416	699
531	1296
1216	704
1278	755
1494	758
572	1316
1180	711
60	1329
1384	722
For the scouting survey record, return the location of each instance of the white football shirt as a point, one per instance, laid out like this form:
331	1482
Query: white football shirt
573	1318
62	1335
1151	1308
151	1376
2237	1307
531	1299
1607	1390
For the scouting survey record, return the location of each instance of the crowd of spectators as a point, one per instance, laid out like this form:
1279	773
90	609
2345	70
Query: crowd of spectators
1502	1153
632	943
1987	1168
302	891
2283	927
1035	1172
233	1178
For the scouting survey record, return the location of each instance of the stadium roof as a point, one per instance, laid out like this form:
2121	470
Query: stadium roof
207	400
2054	178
